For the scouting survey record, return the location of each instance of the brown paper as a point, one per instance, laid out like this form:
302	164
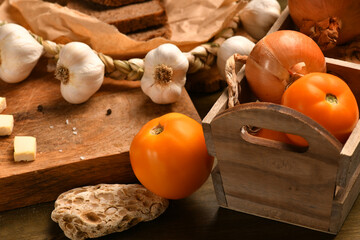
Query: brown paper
192	22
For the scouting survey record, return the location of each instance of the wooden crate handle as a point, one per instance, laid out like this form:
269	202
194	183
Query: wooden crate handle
279	118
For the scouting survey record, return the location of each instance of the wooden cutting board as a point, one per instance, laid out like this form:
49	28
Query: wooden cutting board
76	144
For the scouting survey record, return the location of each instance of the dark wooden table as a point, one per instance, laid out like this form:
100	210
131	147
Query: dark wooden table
195	217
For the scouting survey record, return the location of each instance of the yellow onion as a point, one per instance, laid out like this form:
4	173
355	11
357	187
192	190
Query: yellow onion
328	22
278	59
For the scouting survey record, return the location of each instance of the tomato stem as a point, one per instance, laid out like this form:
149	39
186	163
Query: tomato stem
157	130
331	98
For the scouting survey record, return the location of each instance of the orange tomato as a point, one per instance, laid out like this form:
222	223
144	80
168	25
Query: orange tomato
273	135
326	99
169	156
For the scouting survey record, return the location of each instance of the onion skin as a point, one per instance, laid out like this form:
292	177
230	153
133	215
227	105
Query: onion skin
276	58
346	13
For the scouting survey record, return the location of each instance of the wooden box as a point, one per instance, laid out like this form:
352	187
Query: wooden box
313	187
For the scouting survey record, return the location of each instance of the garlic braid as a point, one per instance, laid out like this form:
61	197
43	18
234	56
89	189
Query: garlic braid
201	57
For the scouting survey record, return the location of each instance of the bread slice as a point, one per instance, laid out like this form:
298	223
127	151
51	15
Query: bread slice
116	3
129	18
145	35
60	2
108	3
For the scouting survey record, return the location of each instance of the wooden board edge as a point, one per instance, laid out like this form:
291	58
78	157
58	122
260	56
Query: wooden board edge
344	201
274	214
349	157
218	186
218	106
47	184
337	62
208	139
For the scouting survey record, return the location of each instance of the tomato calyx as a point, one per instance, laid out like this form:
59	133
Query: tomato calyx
331	98
157	130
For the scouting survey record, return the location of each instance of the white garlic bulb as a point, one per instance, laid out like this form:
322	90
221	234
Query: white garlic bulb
258	16
232	45
19	53
80	71
164	76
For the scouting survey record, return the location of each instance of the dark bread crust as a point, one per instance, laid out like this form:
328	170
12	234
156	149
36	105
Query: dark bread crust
162	31
116	3
130	18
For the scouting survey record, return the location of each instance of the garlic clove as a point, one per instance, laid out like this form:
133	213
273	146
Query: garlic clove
232	45
80	71
258	16
19	53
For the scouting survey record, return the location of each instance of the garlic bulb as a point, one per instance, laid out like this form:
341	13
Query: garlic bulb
19	53
232	45
80	71
164	76
258	16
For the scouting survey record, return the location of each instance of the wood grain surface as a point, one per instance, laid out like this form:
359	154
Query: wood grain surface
76	144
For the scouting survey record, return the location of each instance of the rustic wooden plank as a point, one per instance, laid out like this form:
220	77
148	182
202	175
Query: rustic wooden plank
344	201
219	106
349	158
350	154
218	186
43	185
286	216
347	71
98	151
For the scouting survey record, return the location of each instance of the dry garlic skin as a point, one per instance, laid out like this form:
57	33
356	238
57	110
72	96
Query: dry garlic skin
80	71
19	53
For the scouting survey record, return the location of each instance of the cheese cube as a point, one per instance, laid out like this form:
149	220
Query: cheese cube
24	148
6	124
2	104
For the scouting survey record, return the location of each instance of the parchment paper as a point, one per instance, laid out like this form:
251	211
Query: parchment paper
192	22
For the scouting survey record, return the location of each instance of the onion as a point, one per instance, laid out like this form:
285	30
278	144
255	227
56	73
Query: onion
278	59
328	22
